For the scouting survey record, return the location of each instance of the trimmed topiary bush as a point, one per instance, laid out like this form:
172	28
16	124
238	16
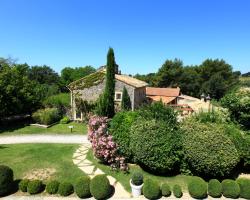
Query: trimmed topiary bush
35	187
6	179
214	188
120	130
52	187
165	190
64	120
208	150
230	189
244	187
100	187
137	178
65	189
82	187
23	184
177	191
151	189
155	145
197	188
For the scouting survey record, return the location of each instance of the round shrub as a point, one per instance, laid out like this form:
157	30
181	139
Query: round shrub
177	191
208	150
165	190
100	187
35	187
82	187
6	179
214	188
197	188
52	187
120	130
23	184
230	189
64	120
244	188
65	189
155	145
137	178
151	189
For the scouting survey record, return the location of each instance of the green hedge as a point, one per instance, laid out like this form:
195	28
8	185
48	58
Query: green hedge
82	187
6	180
197	188
177	191
208	150
214	188
155	145
165	190
151	189
244	187
65	189
230	189
23	184
35	187
52	187
100	187
46	116
120	129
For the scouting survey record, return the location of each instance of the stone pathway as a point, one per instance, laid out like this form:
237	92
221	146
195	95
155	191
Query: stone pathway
79	159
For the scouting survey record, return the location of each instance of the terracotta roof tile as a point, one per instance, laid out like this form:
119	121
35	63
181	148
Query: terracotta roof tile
166	92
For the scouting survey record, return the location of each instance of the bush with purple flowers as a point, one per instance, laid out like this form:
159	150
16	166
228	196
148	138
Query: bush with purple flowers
103	146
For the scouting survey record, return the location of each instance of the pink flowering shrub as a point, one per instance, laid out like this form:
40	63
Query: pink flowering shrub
103	146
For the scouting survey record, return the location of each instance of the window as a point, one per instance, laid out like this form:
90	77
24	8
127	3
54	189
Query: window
118	96
78	114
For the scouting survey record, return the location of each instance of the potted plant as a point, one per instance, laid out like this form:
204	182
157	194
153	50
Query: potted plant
136	183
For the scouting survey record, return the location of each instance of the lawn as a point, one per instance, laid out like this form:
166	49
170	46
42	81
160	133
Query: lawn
124	178
79	128
53	161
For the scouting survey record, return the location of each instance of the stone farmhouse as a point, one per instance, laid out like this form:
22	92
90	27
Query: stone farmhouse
89	88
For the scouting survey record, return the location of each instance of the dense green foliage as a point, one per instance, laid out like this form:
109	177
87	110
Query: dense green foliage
60	101
208	150
151	189
69	74
197	188
137	178
65	120
82	187
159	112
65	189
46	116
100	187
214	77
126	103
244	187
52	187
230	189
23	184
214	188
165	190
120	130
155	145
35	187
177	191
6	179
238	104
106	102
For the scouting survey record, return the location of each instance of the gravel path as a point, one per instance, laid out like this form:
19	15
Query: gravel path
64	139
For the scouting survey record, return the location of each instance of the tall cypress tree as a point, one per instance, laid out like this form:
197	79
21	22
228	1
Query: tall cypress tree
106	101
126	103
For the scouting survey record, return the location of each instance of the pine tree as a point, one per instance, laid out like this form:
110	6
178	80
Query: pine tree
126	103
106	101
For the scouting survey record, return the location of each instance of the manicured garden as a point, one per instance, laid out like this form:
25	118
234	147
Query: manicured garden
78	128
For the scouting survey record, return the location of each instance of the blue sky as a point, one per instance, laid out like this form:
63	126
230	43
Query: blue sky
143	33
